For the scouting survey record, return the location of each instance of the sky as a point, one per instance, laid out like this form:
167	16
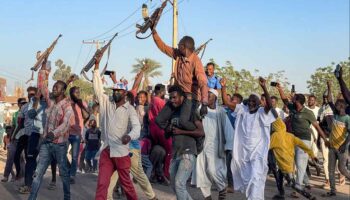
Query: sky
297	36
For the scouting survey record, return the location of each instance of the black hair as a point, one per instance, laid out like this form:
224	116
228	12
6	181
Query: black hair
240	97
312	96
7	127
31	88
130	97
72	90
63	84
342	102
176	88
188	42
300	98
19	100
143	92
274	97
211	63
159	88
263	96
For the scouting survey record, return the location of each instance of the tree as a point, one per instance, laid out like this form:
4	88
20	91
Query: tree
317	83
63	72
150	69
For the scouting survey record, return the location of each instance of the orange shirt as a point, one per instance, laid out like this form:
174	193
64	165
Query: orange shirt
189	72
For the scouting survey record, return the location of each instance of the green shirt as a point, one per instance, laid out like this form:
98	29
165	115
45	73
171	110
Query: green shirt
14	119
301	122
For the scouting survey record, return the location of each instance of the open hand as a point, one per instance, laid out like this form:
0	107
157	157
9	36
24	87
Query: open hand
223	82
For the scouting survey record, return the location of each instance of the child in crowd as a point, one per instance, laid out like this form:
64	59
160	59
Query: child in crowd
93	142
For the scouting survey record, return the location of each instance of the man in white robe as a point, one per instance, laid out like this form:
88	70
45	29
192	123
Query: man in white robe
251	145
211	162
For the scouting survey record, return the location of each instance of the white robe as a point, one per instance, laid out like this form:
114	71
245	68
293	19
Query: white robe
250	148
210	169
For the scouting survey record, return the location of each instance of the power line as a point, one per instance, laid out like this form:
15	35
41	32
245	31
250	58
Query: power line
124	20
76	61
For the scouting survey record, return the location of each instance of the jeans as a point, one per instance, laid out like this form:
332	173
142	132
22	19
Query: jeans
32	154
301	160
90	155
74	140
228	165
333	156
146	165
48	151
11	151
21	146
180	170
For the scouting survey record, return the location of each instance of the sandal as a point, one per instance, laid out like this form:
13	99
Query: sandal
24	190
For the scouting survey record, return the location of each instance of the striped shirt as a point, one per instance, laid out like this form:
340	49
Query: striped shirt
340	129
59	119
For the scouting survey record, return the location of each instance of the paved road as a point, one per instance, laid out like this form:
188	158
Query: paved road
85	186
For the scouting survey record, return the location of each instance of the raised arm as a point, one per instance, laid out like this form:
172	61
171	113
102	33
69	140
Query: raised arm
97	82
225	99
171	52
137	82
330	96
281	92
344	89
268	105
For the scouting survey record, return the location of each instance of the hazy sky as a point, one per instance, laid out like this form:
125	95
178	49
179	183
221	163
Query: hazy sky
292	35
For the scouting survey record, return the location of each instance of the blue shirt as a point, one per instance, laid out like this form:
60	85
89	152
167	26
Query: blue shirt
231	116
134	144
38	116
214	82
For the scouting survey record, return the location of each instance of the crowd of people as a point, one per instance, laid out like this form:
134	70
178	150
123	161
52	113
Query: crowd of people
177	135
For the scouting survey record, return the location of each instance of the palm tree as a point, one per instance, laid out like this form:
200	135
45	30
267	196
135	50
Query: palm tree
150	69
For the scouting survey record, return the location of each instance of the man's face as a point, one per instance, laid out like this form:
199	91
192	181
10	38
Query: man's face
182	48
274	103
176	99
253	102
211	99
210	70
236	100
142	98
21	104
325	100
57	90
311	101
31	94
118	95
339	106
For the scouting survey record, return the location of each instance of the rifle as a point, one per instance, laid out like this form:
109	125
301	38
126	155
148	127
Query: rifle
149	21
41	57
44	55
91	63
202	47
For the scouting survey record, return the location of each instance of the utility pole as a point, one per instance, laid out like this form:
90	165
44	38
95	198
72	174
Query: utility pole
97	42
175	32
